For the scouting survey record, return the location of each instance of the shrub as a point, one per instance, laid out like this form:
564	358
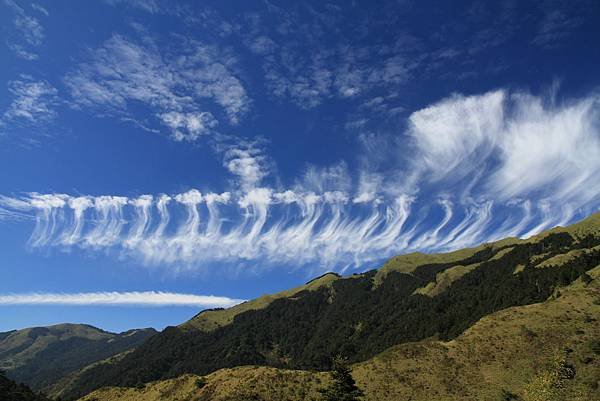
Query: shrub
343	387
200	382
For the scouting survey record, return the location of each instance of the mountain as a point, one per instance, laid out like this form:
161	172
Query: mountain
545	351
410	299
40	356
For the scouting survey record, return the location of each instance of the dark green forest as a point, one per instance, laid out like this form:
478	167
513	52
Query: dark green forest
354	318
12	391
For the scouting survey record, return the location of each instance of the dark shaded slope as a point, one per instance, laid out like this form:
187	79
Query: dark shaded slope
40	356
11	391
355	317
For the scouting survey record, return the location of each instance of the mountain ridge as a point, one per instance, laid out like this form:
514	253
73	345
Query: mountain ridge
361	316
41	355
511	354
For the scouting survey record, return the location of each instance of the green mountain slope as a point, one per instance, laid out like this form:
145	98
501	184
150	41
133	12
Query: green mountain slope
412	298
519	353
40	356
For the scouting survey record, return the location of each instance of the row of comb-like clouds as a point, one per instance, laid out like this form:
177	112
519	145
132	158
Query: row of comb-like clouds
477	168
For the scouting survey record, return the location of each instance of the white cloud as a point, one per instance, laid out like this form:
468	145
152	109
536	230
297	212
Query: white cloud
248	163
30	31
172	83
150	6
511	145
555	26
323	179
40	8
12	214
189	126
342	71
112	298
322	229
550	148
22	53
369	185
262	45
531	160
32	107
33	101
458	133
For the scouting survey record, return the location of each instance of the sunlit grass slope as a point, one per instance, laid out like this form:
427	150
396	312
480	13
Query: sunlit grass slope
212	319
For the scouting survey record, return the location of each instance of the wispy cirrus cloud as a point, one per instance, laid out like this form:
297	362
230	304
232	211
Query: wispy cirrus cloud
33	105
288	228
150	6
113	298
30	30
21	52
33	101
341	73
457	133
530	159
558	22
183	88
512	144
41	9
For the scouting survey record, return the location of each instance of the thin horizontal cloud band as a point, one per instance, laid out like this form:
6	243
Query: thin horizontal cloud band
135	298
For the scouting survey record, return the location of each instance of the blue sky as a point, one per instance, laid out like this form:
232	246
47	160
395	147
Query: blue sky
160	158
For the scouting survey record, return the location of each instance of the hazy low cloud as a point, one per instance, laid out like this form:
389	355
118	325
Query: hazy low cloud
138	298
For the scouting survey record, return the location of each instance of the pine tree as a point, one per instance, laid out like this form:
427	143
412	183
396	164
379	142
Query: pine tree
343	387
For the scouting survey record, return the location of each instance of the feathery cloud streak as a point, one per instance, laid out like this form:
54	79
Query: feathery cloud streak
326	230
521	164
138	298
512	145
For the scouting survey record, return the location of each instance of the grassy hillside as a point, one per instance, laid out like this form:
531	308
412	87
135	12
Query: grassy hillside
547	351
41	355
366	314
212	319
